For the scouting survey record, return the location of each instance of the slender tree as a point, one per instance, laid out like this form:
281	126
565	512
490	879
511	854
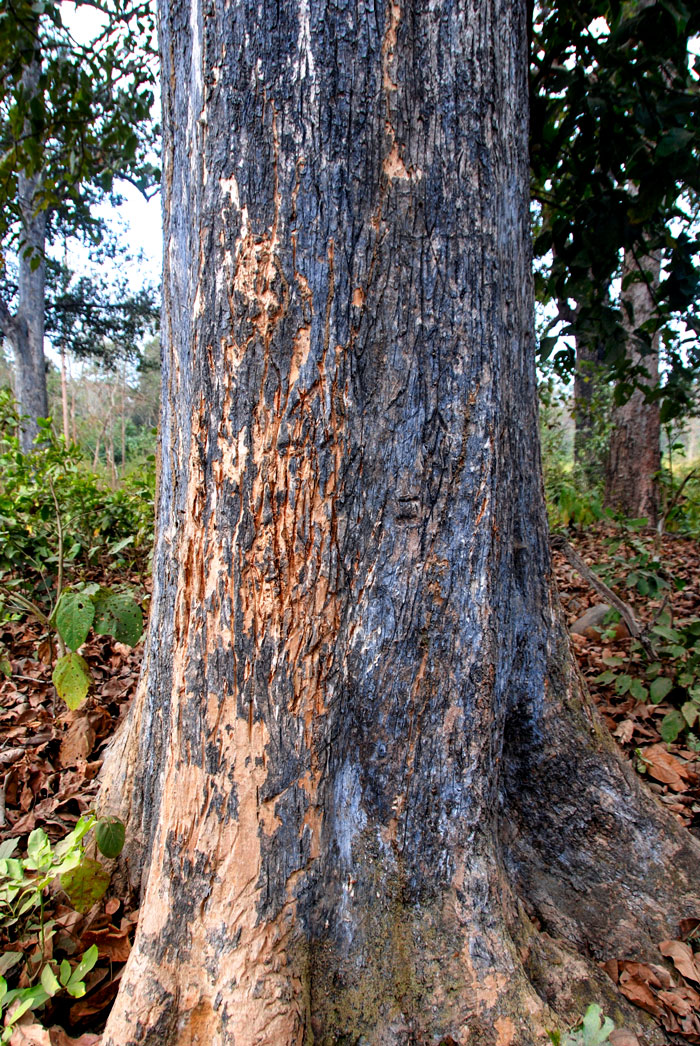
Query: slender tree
72	118
615	148
632	475
361	761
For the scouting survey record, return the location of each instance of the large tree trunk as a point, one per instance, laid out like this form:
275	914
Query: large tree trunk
632	476
360	755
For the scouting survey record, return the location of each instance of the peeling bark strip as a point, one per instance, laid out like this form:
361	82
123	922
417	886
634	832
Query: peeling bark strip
352	660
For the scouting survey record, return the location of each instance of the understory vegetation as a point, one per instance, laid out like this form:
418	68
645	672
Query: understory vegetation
74	589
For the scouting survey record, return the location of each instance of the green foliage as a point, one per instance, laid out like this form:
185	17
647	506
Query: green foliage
111	613
37	493
51	503
571	501
23	884
85	119
72	677
118	614
594	1030
615	140
86	884
110	834
665	666
682	497
74	614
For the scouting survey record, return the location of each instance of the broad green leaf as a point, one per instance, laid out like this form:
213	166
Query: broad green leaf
76	985
595	1029
667	633
7	848
690	712
671	726
75	613
29	999
73	838
38	850
673	141
660	688
49	981
638	691
110	833
114	549
86	884
72	679
118	614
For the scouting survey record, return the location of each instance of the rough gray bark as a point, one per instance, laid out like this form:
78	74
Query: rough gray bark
634	461
358	705
25	330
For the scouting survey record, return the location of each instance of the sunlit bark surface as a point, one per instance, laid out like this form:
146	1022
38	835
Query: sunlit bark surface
359	762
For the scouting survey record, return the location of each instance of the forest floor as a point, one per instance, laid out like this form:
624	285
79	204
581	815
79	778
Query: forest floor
50	758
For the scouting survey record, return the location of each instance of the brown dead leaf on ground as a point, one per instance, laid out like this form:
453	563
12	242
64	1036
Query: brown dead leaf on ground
36	1035
77	743
638	991
664	767
623	1037
683	958
111	944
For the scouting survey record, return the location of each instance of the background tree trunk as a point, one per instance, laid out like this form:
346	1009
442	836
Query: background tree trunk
588	453
631	482
28	346
358	706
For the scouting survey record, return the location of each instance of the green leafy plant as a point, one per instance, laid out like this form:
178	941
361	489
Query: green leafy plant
108	612
665	667
23	885
56	516
594	1030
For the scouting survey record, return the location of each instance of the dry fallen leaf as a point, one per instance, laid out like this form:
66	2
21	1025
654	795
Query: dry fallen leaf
664	767
656	976
639	992
112	944
60	1038
625	731
30	1035
77	743
623	1037
682	957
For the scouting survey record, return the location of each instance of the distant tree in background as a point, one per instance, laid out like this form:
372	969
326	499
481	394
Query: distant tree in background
73	118
615	155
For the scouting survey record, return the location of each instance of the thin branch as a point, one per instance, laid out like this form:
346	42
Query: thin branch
8	323
674	501
559	542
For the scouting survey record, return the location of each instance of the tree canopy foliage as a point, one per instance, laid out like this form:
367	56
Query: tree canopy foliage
615	154
87	120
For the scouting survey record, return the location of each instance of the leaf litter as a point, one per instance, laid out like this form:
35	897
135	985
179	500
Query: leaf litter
670	993
50	758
